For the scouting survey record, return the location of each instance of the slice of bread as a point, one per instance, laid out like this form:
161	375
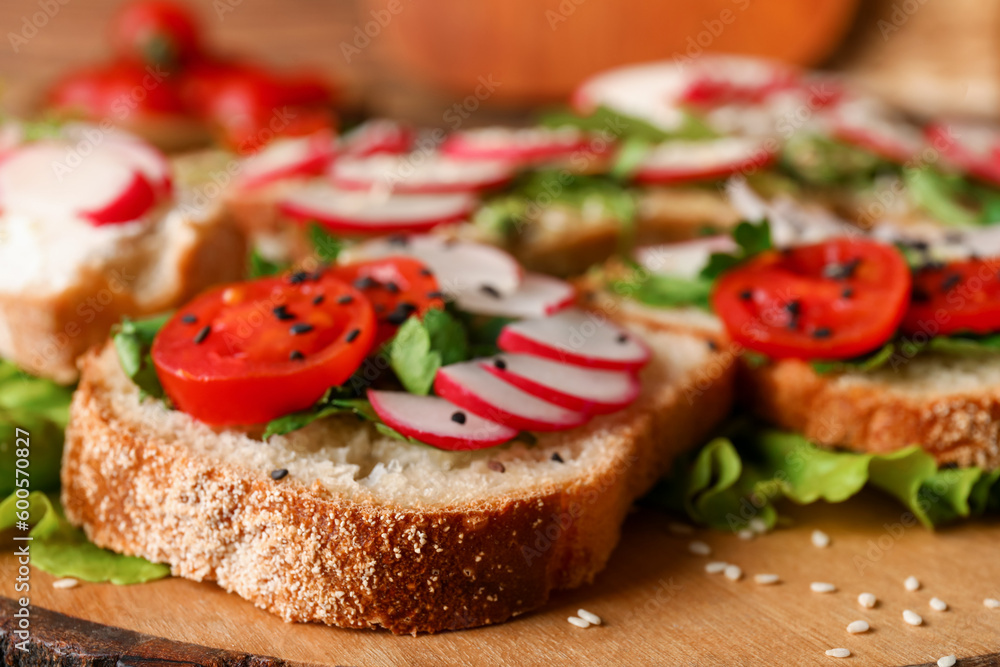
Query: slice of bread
369	532
949	405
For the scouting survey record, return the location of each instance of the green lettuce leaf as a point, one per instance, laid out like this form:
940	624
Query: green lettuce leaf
261	267
732	480
818	160
900	351
752	238
133	340
623	126
421	347
64	551
326	245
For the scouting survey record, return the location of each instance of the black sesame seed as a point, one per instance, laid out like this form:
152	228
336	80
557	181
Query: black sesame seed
352	335
365	282
426	273
300	328
189	319
458	417
712	345
281	312
500	363
822	332
557	458
435	295
295	355
280	473
347	298
379	308
950	281
401	313
202	335
843	271
398	240
318	299
919	295
746	295
622	338
392	287
298	277
847	293
496	466
317	275
794	308
490	290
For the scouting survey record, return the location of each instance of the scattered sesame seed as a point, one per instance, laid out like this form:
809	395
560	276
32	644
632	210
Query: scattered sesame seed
745	534
622	338
946	661
699	548
591	618
822	587
298	277
919	295
280	473
991	603
426	272
578	622
318	299
392	287
352	335
838	271
67	582
189	319
500	364
712	345
733	572
758	525
490	290
822	332
937	604
202	334
300	328
716	566
820	539
401	313
365	282
766	579
678	528
857	627
950	281
847	293
496	466
839	653
436	294
295	355
347	298
912	584
912	617
458	417
398	239
746	295
281	312
867	600
557	458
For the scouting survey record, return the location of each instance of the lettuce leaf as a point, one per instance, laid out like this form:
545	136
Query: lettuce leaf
734	479
623	126
64	551
133	340
900	351
421	347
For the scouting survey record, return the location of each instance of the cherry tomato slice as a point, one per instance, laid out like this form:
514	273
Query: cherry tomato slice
832	300
249	352
960	296
397	287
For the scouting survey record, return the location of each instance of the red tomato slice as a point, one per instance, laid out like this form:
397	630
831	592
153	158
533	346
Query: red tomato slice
957	297
110	90
155	32
250	352
832	300
397	287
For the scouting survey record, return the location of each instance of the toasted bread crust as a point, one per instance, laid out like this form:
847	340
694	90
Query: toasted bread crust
309	555
960	428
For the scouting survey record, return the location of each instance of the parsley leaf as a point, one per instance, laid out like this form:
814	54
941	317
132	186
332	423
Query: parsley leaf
624	126
261	267
752	239
326	245
420	348
133	340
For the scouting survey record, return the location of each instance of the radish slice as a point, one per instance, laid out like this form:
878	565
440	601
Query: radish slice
374	213
377	136
972	148
288	158
868	124
476	389
517	145
144	157
415	173
572	387
576	337
683	161
45	179
537	296
460	266
686	258
437	422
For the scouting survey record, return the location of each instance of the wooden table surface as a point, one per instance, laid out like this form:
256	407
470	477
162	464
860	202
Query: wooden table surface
659	605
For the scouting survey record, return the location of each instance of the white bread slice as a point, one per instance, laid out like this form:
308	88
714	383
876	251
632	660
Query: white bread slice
45	328
949	405
682	212
368	532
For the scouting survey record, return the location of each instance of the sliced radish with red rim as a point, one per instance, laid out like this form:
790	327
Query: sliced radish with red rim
973	148
473	387
377	136
374	213
417	173
517	145
684	258
459	266
144	157
538	295
288	158
868	124
572	387
683	161
576	337
437	421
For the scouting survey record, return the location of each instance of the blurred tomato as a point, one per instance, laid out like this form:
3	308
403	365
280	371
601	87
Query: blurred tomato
117	91
156	32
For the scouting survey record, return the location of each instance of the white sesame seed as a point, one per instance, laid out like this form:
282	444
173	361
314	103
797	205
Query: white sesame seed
937	604
578	622
822	587
591	618
68	582
946	661
867	600
766	579
839	653
733	572
912	617
992	603
745	534
716	566
857	627
820	539
912	584
699	548
678	528
758	525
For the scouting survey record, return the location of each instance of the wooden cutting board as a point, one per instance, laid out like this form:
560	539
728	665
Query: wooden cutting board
659	605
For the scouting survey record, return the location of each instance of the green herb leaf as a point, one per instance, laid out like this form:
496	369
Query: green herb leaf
133	340
64	551
261	267
752	239
666	291
326	245
412	359
623	126
629	157
817	160
939	195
